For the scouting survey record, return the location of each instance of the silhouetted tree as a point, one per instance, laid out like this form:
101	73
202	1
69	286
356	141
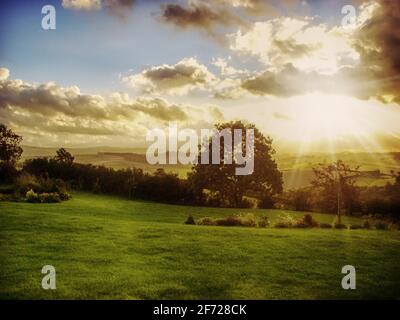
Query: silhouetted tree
218	184
10	152
336	183
64	156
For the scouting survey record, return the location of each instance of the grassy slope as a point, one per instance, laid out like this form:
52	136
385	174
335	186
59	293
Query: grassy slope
105	247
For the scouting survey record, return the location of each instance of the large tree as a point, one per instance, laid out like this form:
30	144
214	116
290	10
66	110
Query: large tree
221	181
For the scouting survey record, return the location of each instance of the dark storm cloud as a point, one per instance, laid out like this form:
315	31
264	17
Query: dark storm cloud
196	15
378	42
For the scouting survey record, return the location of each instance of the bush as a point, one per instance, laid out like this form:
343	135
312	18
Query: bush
310	221
32	196
325	225
306	222
64	195
230	221
340	226
206	221
381	226
285	221
356	226
26	182
47	190
49	197
248	220
263	222
190	220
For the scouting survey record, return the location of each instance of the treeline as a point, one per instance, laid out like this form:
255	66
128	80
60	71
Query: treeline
130	183
347	198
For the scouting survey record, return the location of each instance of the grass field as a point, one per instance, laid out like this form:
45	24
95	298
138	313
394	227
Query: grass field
105	247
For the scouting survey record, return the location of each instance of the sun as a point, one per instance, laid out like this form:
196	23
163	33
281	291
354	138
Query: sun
331	117
319	122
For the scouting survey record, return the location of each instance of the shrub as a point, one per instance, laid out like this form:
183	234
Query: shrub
49	197
325	225
26	182
310	221
381	226
285	221
356	226
46	189
263	222
64	195
340	226
206	221
32	196
248	220
230	221
190	220
306	222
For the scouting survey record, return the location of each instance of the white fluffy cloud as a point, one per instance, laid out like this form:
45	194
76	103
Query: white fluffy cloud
307	46
184	76
50	111
4	73
82	4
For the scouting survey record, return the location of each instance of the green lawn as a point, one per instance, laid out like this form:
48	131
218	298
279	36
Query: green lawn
105	247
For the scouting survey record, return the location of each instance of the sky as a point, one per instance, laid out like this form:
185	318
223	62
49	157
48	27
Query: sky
303	71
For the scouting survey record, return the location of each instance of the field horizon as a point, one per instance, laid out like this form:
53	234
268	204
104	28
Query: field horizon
297	169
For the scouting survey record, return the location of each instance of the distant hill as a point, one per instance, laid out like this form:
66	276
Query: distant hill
297	170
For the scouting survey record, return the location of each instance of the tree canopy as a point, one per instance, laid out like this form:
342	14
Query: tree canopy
220	183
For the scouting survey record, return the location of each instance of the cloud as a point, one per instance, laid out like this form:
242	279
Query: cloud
158	108
53	113
256	7
301	57
225	68
196	14
4	73
281	116
298	41
88	5
378	42
114	7
288	82
202	15
184	76
52	100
